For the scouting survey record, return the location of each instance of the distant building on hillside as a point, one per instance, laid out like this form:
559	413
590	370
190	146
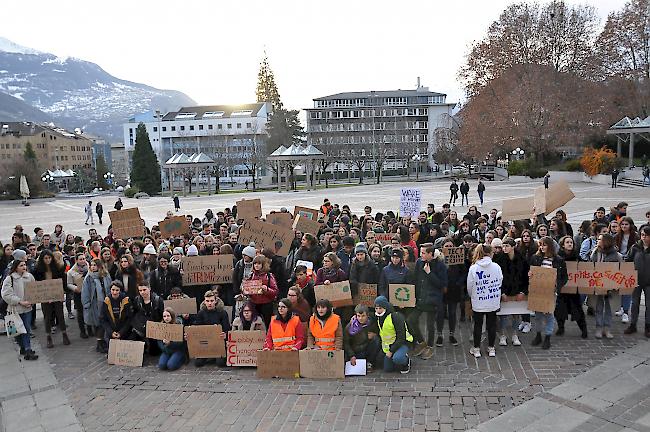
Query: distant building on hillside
120	164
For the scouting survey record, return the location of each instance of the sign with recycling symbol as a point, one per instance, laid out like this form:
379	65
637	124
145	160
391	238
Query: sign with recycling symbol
402	295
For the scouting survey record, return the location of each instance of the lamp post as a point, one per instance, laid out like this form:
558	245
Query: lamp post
47	178
416	158
518	153
109	176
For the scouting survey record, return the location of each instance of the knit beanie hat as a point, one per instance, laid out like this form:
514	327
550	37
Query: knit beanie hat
361	247
192	251
382	301
249	250
19	255
178	250
149	249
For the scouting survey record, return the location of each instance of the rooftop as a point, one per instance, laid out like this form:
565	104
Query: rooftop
421	91
214	111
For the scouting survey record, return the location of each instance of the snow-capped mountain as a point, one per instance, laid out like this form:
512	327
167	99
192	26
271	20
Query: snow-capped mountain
76	92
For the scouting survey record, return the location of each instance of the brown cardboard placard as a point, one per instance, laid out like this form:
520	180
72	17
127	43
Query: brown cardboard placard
541	289
182	306
304	225
265	234
174	226
283	219
45	291
517	208
126	223
384	238
125	353
629	279
163	331
306	212
401	295
322	364
204	341
539	200
243	347
557	194
207	269
338	293
249	209
367	294
251	286
604	275
281	364
454	256
585	270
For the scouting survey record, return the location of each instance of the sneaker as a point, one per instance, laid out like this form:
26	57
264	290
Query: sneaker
492	352
453	340
503	341
439	341
608	334
526	328
599	333
406	369
476	352
419	348
71	315
625	318
427	353
515	340
619	312
521	325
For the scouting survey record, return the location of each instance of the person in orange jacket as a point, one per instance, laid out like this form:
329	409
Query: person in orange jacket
325	329
285	332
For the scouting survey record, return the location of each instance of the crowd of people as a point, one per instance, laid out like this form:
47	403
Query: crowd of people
114	286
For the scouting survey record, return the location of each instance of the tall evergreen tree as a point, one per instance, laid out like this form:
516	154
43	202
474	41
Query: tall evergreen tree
30	154
100	169
145	170
267	90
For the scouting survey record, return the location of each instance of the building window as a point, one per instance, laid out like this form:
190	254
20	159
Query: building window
229	125
238	125
210	127
164	128
220	126
191	127
173	128
249	125
155	128
200	127
182	128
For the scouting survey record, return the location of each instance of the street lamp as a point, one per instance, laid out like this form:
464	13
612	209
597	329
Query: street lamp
519	153
46	178
109	178
416	158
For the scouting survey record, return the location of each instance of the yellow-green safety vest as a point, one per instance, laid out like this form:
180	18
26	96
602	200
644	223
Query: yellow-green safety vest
388	335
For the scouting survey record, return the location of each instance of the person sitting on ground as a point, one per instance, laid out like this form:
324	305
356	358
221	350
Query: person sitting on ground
325	330
248	319
172	354
212	313
115	316
359	342
285	332
394	335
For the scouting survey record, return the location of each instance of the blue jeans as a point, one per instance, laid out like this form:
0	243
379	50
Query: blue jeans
399	358
171	361
603	312
514	323
545	322
480	197
626	302
24	340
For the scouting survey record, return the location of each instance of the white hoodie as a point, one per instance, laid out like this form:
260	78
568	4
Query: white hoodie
484	285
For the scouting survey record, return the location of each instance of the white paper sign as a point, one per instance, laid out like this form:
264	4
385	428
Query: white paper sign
409	202
514	308
359	369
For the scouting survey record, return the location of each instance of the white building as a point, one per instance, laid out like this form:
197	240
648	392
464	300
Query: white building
226	133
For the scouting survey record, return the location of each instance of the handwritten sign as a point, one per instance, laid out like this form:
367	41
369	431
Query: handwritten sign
305	225
541	289
249	209
306	213
338	293
281	364
126	223
265	234
207	269
204	341
410	202
163	331
601	277
251	286
282	219
454	256
182	306
384	238
125	353
322	364
243	347
45	291
173	226
401	295
367	294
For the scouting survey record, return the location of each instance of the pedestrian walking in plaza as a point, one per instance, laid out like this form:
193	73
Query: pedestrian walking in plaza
481	190
464	192
646	175
547	178
177	203
99	209
614	177
118	204
453	189
89	212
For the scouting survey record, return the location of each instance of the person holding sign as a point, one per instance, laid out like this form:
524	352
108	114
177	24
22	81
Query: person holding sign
331	271
212	313
116	314
148	306
546	257
13	292
285	332
394	273
604	252
172	354
358	340
394	335
569	303
325	330
268	291
46	269
456	282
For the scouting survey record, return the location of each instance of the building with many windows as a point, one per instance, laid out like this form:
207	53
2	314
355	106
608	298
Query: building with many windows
230	134
388	128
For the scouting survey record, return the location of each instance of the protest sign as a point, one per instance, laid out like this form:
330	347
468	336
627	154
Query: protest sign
174	226
454	256
367	294
629	279
601	277
359	369
45	291
514	308
308	264
249	209
163	331
305	225
517	208
126	223
322	364
401	295
264	235
206	269
384	238
182	306
282	219
541	289
204	341
338	293
557	194
251	286
306	212
571	286
410	201
243	347
539	200
281	364
125	353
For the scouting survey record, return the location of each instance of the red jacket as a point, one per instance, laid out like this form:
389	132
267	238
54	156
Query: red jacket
272	288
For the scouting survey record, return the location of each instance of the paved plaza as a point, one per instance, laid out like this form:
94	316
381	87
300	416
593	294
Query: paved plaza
578	385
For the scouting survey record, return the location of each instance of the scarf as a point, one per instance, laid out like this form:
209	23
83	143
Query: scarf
356	326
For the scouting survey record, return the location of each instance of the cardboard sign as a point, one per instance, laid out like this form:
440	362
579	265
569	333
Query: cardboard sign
338	293
174	226
251	287
45	291
265	234
204	341
163	331
308	264
125	353
601	277
182	306
517	208
322	364
249	209
306	213
514	308
541	289
555	196
281	219
126	223
305	225
630	278
384	238
281	364
410	200
207	269
454	256
401	295
243	347
367	294
571	286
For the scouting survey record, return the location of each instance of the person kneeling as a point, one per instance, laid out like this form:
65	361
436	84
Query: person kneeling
173	353
358	340
325	330
285	332
212	313
394	335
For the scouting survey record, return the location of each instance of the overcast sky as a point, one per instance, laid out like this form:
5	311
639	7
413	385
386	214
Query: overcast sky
211	49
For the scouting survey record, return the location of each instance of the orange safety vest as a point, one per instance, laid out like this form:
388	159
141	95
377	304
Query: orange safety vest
325	336
284	338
